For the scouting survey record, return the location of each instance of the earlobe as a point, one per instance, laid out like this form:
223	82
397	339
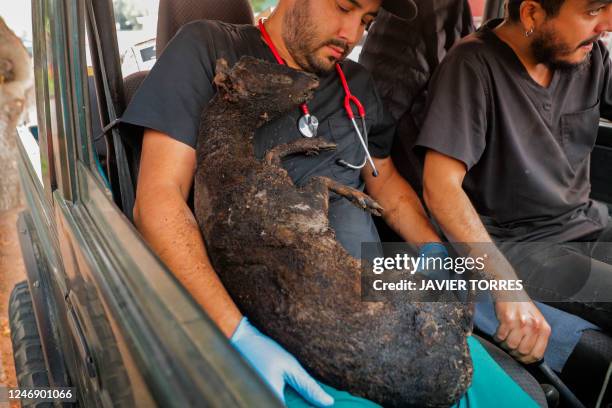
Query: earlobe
531	14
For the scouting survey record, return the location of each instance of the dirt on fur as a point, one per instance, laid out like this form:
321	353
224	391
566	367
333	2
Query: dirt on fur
271	245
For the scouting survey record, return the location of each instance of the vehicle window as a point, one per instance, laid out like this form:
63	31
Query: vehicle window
263	6
136	24
607	39
477	7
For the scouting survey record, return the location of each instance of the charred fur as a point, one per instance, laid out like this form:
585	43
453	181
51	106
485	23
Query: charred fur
274	251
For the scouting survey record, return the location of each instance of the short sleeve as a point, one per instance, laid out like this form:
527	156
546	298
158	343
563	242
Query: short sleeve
171	98
381	136
456	114
606	94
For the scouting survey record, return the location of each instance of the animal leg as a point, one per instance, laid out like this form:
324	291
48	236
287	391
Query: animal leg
360	199
309	147
317	187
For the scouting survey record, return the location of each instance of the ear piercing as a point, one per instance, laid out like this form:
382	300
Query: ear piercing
529	32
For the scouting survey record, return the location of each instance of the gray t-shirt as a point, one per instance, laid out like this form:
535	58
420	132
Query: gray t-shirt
179	87
527	148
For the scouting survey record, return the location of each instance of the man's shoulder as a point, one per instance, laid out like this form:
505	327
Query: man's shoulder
600	53
354	70
215	31
475	48
478	54
210	40
351	66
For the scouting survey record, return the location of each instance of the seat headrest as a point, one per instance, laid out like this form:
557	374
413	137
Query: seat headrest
173	14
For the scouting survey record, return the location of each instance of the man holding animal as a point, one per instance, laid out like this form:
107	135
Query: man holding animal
306	35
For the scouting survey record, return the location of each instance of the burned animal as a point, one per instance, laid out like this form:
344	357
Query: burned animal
274	251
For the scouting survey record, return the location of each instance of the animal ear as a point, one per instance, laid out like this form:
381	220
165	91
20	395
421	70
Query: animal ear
222	79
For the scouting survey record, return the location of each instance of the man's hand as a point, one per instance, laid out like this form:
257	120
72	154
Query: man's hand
522	330
276	366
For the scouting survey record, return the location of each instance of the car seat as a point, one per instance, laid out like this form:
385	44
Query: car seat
172	15
402	56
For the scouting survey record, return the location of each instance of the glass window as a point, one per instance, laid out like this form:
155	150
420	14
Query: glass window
263	6
477	7
136	25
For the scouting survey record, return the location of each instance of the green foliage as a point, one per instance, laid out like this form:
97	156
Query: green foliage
261	5
127	13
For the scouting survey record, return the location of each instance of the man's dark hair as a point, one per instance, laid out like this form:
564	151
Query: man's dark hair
551	7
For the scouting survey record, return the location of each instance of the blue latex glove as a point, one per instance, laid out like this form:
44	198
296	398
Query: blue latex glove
434	250
276	366
437	250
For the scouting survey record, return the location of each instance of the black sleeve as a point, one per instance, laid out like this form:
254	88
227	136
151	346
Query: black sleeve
456	114
605	106
380	139
179	86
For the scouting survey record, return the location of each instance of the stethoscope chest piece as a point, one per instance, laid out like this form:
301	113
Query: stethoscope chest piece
308	125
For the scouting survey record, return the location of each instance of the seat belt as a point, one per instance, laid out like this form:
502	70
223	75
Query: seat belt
109	80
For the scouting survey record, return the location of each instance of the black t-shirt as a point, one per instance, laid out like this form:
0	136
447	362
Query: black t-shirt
527	148
179	87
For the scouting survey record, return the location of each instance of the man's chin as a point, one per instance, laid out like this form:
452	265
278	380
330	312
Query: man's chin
322	66
569	65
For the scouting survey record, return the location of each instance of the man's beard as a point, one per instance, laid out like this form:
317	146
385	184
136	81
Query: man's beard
548	50
302	43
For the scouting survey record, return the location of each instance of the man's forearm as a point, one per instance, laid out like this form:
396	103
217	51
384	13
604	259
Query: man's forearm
454	212
405	214
522	328
402	208
173	233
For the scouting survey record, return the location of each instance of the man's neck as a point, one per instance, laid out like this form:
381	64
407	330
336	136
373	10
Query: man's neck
513	35
274	27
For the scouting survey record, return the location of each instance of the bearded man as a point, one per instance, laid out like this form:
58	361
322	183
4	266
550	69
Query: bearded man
511	122
308	35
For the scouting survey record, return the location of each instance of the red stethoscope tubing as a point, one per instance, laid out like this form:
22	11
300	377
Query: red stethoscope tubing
277	56
348	99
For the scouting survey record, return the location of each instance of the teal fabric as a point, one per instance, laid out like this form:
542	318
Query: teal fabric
342	399
491	387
